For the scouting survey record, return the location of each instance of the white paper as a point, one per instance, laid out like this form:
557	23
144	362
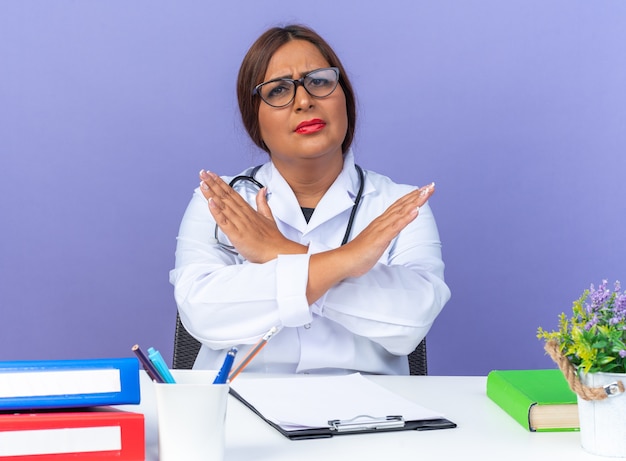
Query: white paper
67	382
67	440
310	402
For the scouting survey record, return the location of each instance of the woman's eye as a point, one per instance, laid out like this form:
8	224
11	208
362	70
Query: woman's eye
318	82
278	90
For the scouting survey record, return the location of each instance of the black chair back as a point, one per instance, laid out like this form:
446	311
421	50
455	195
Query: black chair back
186	347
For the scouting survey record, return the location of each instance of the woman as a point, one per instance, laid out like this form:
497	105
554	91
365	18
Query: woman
250	259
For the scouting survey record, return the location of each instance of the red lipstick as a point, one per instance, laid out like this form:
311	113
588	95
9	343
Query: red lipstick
310	126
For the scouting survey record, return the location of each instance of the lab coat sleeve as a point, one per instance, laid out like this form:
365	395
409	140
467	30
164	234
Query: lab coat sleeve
397	301
224	301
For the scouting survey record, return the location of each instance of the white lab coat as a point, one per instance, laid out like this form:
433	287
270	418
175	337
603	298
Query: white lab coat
368	324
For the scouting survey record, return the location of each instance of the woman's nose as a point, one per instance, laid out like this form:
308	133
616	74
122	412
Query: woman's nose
302	100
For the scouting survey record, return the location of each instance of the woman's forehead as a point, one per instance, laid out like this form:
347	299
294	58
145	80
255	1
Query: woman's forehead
295	59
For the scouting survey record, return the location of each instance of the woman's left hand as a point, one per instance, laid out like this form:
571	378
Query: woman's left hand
252	232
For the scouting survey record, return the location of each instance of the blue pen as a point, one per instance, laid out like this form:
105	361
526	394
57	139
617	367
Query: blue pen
158	362
222	376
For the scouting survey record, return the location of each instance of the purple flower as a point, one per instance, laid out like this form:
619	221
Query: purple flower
592	321
601	313
598	297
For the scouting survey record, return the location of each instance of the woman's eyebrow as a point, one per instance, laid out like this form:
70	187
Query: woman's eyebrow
291	77
279	77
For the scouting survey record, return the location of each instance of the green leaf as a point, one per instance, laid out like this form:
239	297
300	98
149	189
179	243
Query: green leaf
604	360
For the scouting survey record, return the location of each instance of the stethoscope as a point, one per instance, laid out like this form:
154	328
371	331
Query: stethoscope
251	179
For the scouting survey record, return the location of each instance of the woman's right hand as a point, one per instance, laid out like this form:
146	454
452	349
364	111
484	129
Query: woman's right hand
253	233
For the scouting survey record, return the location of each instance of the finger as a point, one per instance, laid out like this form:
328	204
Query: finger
213	184
427	191
406	208
424	193
204	187
226	206
222	219
223	195
411	201
261	204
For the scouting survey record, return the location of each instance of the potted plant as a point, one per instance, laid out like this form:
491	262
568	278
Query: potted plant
589	347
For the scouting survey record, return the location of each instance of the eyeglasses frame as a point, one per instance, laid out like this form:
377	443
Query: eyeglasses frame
296	83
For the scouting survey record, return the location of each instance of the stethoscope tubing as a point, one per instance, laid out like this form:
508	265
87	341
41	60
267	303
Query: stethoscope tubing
231	249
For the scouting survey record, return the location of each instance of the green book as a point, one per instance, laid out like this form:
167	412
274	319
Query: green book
540	400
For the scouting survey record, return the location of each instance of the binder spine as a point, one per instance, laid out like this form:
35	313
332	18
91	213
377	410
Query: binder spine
126	393
104	433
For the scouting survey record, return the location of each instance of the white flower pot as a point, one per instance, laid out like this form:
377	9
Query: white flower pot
603	422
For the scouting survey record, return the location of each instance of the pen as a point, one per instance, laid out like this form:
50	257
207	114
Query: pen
147	364
158	362
222	376
255	350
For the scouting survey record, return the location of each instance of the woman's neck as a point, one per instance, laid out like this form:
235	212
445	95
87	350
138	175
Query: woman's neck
310	180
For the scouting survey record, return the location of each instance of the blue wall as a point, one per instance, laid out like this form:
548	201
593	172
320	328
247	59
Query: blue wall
108	109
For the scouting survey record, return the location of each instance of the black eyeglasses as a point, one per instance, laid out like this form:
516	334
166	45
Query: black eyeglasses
280	92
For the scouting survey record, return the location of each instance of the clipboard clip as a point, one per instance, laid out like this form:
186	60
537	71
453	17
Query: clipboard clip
366	422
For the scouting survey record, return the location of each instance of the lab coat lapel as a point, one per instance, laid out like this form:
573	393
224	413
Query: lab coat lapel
285	207
339	197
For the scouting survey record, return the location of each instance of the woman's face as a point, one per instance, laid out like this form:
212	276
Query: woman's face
326	120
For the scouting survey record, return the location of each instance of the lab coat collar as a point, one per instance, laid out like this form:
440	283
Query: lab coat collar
339	197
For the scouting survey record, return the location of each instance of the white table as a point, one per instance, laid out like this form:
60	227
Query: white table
484	431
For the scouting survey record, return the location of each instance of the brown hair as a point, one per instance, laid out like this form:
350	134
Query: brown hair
254	67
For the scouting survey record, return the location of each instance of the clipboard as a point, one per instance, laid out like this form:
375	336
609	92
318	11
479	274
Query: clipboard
358	424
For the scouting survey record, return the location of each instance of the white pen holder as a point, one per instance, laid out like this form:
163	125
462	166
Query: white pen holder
191	417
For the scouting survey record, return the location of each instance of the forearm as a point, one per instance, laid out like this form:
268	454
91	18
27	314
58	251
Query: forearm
216	310
327	269
394	306
225	306
396	301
